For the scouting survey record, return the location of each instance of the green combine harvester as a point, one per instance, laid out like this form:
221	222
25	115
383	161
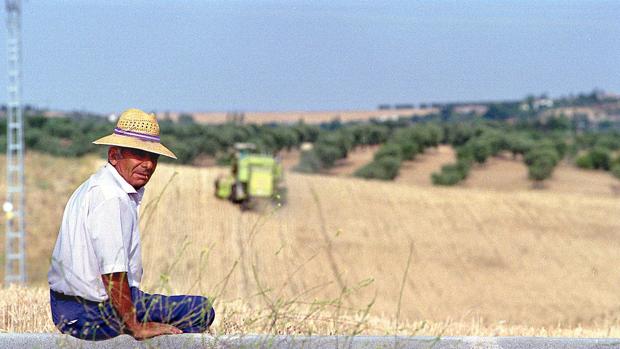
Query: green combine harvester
254	178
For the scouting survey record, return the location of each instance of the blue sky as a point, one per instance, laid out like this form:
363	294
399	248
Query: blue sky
106	56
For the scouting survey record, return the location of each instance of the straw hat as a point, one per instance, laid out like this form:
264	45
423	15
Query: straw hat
139	130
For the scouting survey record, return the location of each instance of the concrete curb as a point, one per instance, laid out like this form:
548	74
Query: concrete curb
190	341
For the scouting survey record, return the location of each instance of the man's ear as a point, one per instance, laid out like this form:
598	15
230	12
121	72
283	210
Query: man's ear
114	154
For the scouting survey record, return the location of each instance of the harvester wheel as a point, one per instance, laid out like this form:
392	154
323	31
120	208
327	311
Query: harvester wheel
246	205
236	188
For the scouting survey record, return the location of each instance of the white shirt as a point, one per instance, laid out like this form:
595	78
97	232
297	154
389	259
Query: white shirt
99	235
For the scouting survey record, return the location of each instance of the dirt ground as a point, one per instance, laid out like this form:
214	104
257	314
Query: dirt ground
419	170
504	173
507	174
356	159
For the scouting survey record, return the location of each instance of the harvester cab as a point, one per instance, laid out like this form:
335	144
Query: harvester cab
253	177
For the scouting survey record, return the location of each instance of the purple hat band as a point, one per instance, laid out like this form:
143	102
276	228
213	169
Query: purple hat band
138	135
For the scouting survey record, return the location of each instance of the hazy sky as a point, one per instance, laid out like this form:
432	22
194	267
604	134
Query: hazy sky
105	56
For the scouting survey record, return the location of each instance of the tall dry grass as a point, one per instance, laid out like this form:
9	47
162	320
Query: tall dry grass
527	258
26	310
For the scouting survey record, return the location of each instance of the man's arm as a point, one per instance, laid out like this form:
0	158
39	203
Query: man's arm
118	290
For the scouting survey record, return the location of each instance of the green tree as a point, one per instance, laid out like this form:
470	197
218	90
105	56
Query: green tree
540	170
541	162
389	150
584	161
615	170
186	119
327	154
481	150
519	144
409	150
498	111
601	158
549	154
384	168
560	123
445	178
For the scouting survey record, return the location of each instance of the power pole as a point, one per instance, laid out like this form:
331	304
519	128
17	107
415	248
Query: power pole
15	261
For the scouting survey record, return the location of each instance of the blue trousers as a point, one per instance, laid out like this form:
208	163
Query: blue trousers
90	320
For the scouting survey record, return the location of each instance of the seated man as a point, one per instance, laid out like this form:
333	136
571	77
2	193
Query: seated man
96	265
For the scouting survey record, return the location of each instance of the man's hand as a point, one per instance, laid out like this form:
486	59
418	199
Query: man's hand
118	290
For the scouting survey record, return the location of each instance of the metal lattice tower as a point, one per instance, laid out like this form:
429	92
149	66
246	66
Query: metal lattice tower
15	264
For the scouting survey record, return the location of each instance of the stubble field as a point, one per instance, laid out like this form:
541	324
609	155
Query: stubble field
344	255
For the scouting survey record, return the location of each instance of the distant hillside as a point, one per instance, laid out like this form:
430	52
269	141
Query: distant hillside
309	117
597	105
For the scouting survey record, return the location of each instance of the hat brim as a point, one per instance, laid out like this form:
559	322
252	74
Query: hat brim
131	142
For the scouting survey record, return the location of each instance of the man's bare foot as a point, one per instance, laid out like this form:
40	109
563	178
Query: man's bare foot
152	329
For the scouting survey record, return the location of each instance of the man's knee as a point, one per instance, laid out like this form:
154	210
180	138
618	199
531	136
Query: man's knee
202	317
189	313
210	314
207	311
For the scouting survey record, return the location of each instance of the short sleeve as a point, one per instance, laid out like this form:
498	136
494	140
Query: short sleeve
108	223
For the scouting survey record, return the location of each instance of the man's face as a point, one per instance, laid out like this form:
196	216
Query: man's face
134	165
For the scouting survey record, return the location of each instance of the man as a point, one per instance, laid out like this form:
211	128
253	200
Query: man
96	264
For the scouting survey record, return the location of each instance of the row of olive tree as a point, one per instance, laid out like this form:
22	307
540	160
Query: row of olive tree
400	140
476	143
73	136
404	144
333	145
599	151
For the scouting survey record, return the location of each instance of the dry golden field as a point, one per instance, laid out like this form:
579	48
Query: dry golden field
49	183
309	117
345	255
529	258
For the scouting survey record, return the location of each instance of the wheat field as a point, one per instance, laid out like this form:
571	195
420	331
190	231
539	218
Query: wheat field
345	255
527	258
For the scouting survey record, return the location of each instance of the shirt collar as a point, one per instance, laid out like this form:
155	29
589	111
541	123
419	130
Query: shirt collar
128	188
